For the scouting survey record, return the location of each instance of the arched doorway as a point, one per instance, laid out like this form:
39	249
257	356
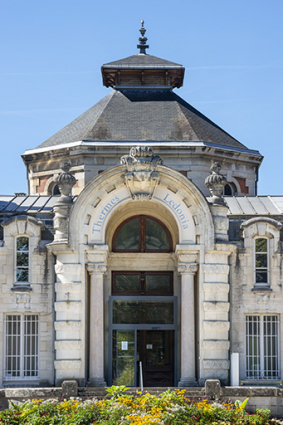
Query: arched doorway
142	308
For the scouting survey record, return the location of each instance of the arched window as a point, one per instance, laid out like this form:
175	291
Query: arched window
56	191
142	234
229	189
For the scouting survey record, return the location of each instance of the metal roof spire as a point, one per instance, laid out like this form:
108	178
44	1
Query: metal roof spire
142	46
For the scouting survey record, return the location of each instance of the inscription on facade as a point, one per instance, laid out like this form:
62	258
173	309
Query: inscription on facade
179	211
96	227
172	201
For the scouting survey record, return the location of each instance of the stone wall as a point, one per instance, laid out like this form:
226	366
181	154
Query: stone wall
259	397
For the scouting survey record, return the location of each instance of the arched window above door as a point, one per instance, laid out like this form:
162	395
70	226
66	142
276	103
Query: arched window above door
142	233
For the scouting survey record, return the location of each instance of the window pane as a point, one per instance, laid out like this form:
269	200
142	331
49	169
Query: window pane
22	275
158	283
123	370
30	345
261	260
270	336
12	360
156	237
148	312
22	259
261	245
252	347
127	283
261	277
128	235
22	244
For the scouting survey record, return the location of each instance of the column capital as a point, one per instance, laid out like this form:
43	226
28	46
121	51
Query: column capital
187	268
96	268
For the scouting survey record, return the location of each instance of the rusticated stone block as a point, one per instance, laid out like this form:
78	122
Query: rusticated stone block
70	388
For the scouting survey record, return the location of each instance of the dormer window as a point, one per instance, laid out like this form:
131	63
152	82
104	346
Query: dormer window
261	262
22	260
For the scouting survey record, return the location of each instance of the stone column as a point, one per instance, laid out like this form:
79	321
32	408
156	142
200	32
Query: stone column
188	363
96	325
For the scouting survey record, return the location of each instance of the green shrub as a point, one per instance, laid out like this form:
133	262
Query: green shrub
169	408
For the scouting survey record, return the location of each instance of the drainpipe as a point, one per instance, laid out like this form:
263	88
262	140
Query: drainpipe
53	316
230	312
256	179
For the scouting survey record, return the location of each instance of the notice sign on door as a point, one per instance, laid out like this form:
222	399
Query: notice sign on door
124	345
149	346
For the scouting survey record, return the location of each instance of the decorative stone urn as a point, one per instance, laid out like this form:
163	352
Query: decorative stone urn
141	177
65	182
215	183
62	206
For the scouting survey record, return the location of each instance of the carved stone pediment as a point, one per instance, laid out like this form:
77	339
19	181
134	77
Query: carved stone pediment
142	177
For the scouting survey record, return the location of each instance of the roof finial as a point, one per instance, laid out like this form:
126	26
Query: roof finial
142	46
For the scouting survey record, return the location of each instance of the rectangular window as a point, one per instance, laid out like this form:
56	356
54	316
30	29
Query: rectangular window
262	347
142	283
21	349
261	262
22	259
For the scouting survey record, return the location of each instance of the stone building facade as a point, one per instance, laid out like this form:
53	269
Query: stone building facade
142	244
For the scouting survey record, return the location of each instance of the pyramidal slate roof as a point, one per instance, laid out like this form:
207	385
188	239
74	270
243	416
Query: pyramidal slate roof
142	115
144	61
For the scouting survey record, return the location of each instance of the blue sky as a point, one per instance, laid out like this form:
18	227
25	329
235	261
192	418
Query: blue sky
52	51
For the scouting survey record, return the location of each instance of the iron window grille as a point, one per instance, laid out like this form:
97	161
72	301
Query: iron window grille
262	347
21	346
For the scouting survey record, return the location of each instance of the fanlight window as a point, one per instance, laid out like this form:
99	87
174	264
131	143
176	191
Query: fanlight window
142	234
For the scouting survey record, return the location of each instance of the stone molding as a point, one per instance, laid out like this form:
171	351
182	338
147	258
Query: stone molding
98	255
266	220
216	325
27	219
187	268
216	268
216	364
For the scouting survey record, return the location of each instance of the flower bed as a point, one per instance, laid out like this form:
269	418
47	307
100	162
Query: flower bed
169	408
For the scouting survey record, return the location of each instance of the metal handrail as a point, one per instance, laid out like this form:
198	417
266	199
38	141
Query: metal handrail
141	377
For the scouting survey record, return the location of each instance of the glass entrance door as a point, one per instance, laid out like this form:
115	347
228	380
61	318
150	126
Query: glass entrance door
154	348
142	329
156	351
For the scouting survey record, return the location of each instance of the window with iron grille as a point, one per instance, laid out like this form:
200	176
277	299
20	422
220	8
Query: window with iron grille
262	347
21	347
261	262
22	260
